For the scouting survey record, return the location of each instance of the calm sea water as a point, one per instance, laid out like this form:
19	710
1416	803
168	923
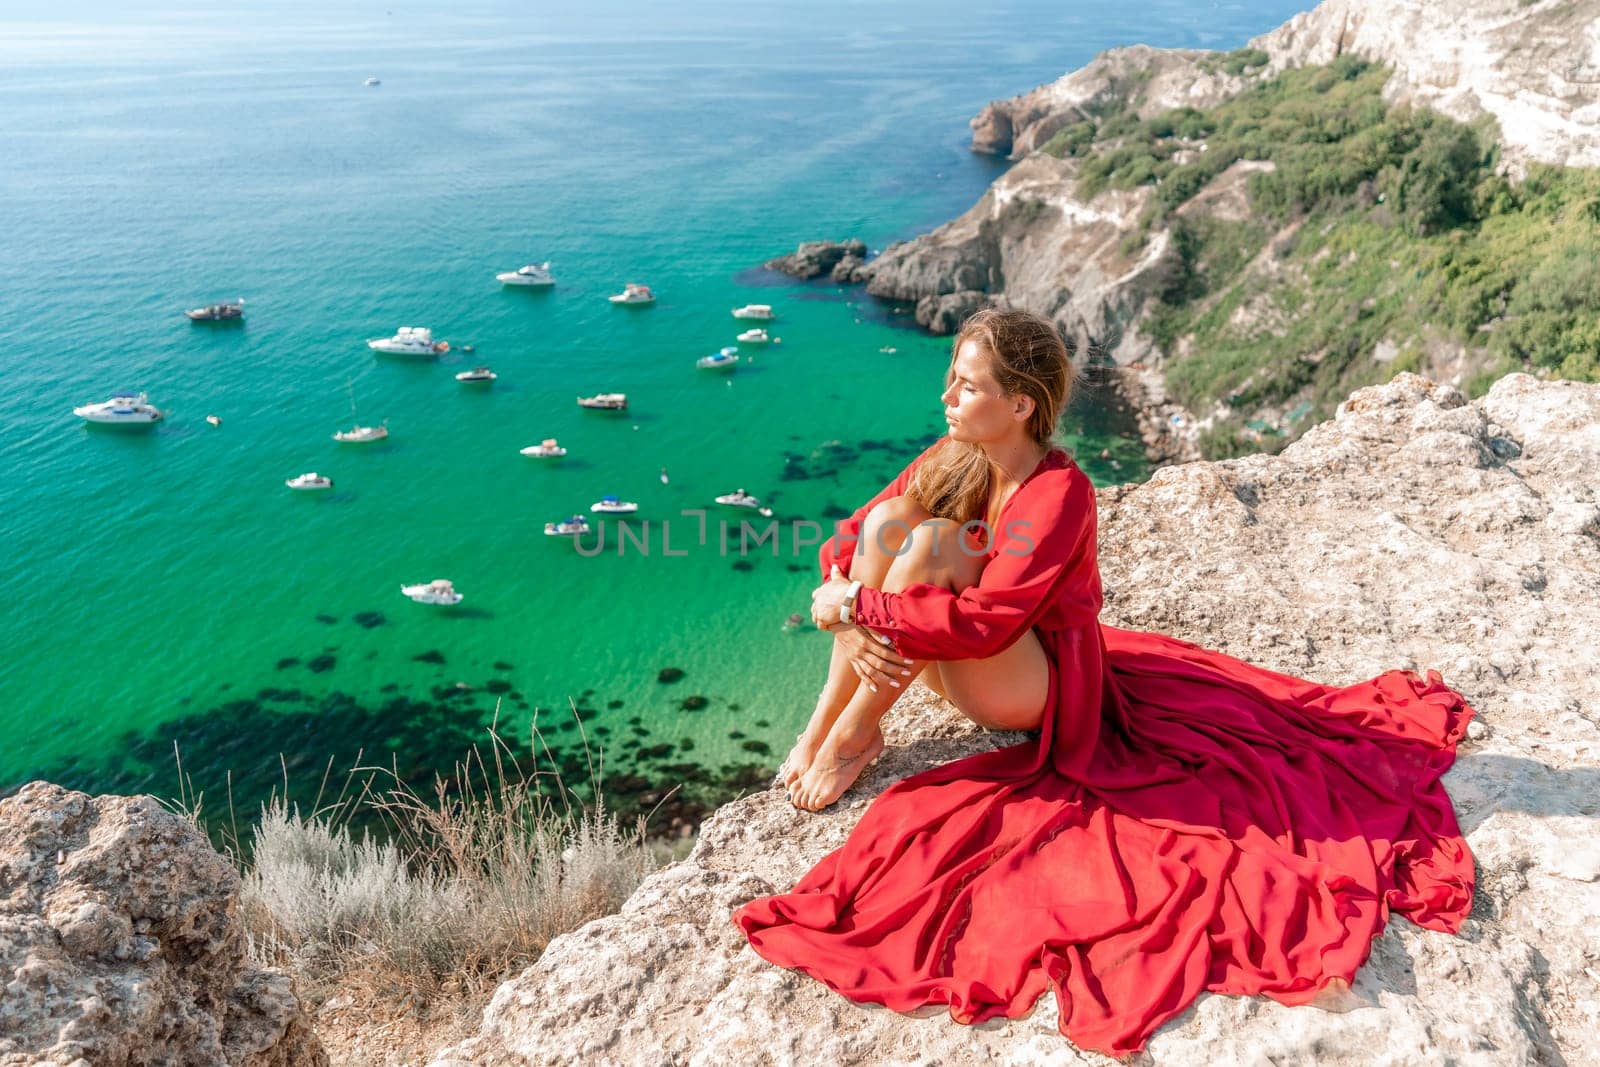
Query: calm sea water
166	586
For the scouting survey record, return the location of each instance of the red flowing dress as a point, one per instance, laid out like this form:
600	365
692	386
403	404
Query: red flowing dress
1186	821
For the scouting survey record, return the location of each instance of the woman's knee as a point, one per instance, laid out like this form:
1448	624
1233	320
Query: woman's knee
889	523
937	551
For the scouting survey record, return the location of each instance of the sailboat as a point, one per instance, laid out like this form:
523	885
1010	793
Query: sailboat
359	434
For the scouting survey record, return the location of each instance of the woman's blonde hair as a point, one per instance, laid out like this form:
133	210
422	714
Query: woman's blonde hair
1026	355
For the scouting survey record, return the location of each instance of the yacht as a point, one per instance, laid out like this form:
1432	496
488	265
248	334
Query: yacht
576	525
756	336
410	341
124	409
361	435
605	401
309	481
477	374
372	83
725	359
546	449
439	591
633	294
741	499
533	275
227	311
754	311
215	420
610	505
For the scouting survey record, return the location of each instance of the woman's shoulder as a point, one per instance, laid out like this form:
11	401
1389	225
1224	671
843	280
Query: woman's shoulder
1061	478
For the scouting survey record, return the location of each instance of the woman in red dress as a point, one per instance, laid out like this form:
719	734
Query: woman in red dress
1185	822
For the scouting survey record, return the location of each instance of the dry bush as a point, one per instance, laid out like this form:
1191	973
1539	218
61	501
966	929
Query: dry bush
475	881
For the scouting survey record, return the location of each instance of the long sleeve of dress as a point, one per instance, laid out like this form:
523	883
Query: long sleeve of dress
840	549
1044	532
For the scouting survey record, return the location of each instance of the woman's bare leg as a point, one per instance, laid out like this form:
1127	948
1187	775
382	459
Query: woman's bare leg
883	532
856	738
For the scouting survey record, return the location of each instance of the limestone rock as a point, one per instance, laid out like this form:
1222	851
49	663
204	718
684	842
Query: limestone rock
1413	530
817	257
120	943
1534	67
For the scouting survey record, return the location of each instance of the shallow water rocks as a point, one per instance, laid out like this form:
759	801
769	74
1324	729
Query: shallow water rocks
120	944
815	258
1392	536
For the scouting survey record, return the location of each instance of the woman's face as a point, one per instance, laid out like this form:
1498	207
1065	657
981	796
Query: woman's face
975	407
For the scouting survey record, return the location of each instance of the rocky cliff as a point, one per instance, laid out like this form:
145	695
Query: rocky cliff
1099	257
120	944
1415	529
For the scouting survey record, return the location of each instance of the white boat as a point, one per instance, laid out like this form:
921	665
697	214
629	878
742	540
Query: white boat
605	401
726	359
610	505
361	435
123	409
370	82
754	311
534	274
439	591
633	294
568	527
739	499
227	311
309	481
546	449
214	420
477	374
409	341
358	434
756	336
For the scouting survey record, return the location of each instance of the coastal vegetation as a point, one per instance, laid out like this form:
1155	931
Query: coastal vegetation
1379	238
432	896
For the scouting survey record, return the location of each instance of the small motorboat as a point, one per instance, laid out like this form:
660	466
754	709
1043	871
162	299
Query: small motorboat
610	505
476	374
633	294
215	420
756	336
227	311
724	359
762	312
439	591
309	481
361	435
568	527
739	499
371	83
409	341
546	449
123	409
534	275
605	402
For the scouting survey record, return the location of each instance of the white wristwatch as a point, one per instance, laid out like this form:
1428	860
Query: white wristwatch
847	610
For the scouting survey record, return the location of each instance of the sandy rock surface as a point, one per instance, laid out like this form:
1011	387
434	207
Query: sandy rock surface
120	943
1413	530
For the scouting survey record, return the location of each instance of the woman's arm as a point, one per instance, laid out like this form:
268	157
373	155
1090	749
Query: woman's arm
840	549
1048	541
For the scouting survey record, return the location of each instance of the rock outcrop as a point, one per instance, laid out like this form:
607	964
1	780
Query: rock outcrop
814	258
1157	79
1413	530
120	944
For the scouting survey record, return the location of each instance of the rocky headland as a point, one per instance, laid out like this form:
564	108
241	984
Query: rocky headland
1416	529
1239	285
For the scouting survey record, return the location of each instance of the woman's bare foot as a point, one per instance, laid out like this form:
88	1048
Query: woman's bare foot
837	765
807	742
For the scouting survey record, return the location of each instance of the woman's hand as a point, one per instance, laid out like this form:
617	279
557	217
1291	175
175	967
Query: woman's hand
871	657
827	599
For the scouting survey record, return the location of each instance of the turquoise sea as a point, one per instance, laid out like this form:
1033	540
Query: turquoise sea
165	587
